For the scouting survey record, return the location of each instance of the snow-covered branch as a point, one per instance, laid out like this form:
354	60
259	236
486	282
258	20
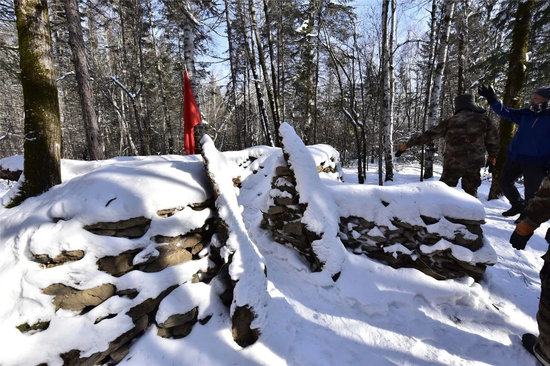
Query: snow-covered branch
64	76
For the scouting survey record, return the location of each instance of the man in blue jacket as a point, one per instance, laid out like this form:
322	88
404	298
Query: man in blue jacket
529	152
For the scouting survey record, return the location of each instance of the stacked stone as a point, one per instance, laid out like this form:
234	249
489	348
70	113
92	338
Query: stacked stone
410	246
169	251
283	217
246	307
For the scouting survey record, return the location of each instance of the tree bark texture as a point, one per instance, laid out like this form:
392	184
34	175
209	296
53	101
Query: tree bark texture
429	84
389	82
42	146
94	140
274	73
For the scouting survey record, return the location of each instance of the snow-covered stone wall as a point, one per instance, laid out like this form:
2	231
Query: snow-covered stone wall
428	226
299	211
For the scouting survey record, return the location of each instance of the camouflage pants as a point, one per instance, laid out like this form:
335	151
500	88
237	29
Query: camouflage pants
471	178
543	315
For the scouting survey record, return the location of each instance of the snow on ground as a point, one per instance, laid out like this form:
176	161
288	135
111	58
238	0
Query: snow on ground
373	314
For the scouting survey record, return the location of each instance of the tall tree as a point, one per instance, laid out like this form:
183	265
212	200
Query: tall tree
429	78
167	140
387	78
250	54
85	90
463	38
345	76
274	73
434	109
263	65
305	77
514	84
42	146
233	71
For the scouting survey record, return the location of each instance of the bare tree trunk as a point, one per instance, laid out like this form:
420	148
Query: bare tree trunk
263	65
431	58
463	40
306	75
348	102
133	96
167	143
514	84
389	81
274	73
125	135
256	82
42	146
386	117
281	66
143	95
434	110
85	90
233	69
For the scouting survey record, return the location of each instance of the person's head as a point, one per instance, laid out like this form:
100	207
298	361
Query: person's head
539	99
466	101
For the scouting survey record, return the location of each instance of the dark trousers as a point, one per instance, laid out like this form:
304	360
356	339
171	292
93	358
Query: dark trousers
471	178
543	314
532	177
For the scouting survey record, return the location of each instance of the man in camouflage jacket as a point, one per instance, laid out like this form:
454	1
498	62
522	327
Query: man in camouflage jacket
468	134
537	212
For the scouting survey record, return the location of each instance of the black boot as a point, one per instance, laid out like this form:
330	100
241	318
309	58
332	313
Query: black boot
517	208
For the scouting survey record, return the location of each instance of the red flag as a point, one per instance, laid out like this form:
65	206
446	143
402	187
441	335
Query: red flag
191	115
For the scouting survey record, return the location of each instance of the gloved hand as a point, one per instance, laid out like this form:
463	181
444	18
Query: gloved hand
521	235
491	162
487	92
401	150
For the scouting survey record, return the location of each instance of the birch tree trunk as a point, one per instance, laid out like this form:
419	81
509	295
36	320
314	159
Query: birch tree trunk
434	109
306	75
143	95
42	145
514	84
389	81
386	116
85	90
429	79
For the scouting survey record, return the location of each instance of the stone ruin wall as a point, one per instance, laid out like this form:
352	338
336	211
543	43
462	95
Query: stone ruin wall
171	251
283	220
400	247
